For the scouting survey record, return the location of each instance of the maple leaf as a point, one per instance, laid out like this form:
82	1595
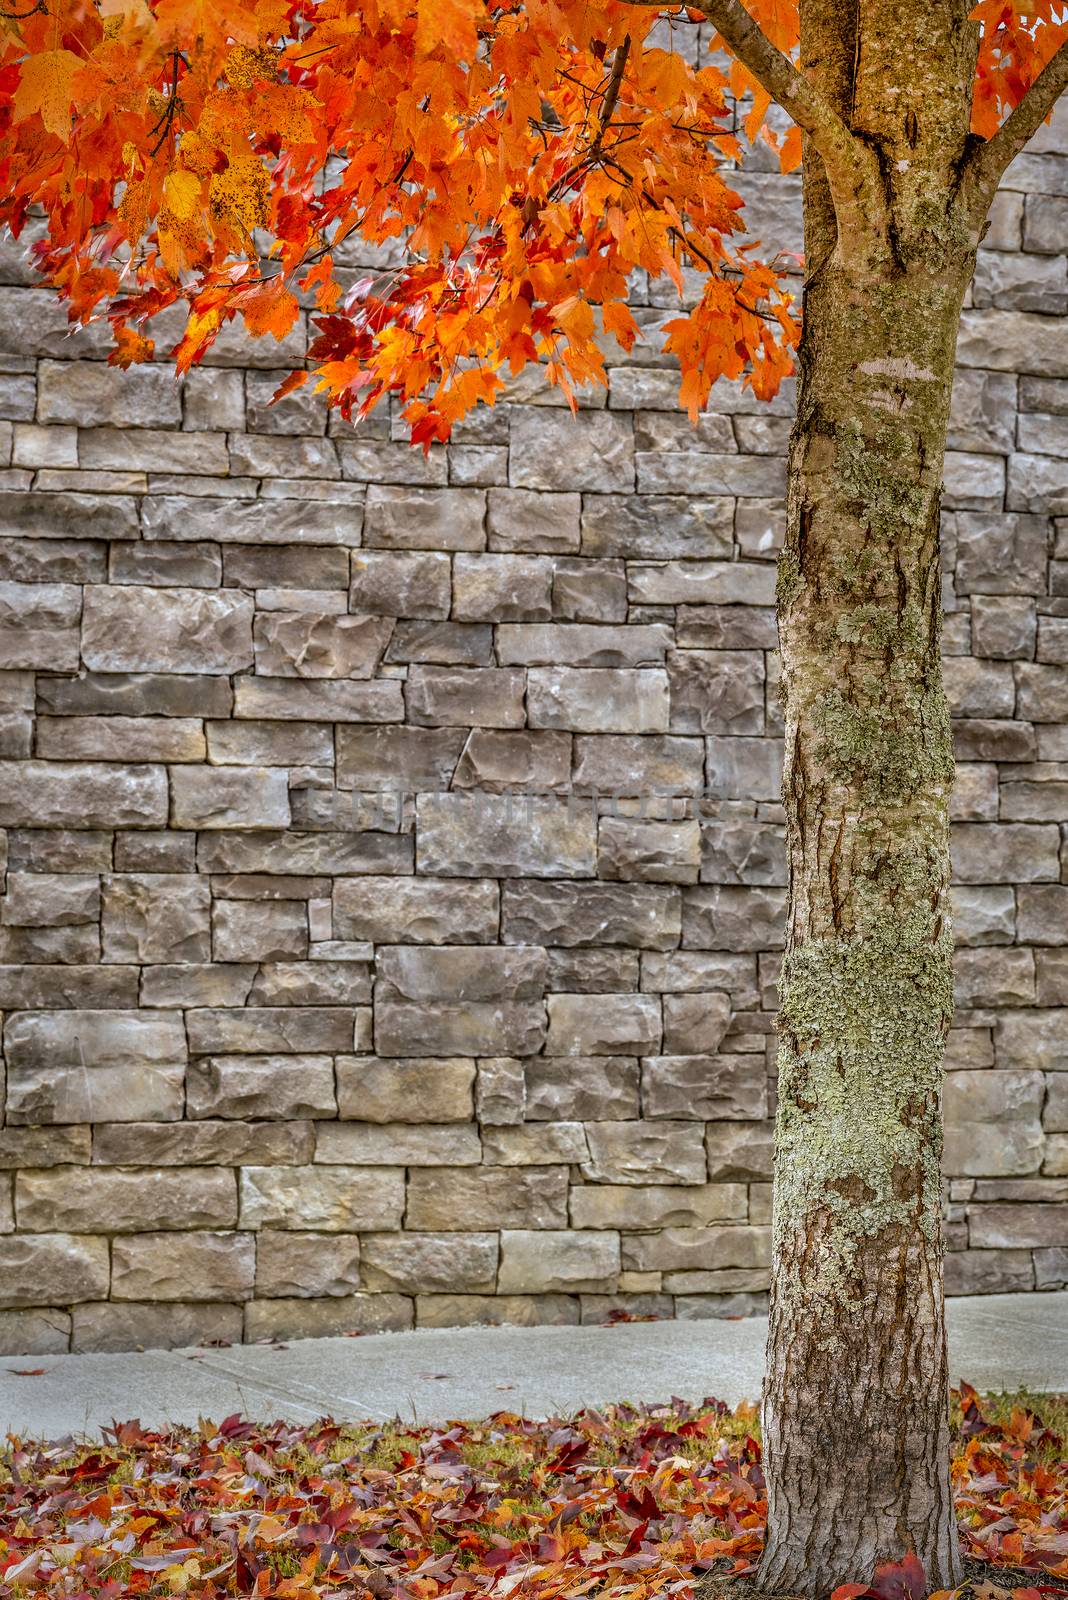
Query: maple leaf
46	85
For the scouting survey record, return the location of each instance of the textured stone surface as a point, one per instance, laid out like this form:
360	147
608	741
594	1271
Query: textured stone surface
357	967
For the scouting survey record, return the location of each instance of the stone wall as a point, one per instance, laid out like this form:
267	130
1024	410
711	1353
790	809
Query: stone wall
284	1058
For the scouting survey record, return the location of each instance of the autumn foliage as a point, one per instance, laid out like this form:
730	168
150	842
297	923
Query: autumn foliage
513	161
634	1502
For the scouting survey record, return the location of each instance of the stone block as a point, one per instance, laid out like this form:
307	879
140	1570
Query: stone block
734	850
316	644
248	930
1003	626
39	625
979	688
321	854
54	1266
43	1332
1012	852
569	915
398	584
603	1025
61	987
230	797
413	1089
81	794
658	1206
142	397
461	1199
52	516
1033	1039
995	977
273	1087
1009	341
500	1090
586	590
323	981
224	1144
183	1266
138	694
1011	1227
386	1144
983	914
695	1023
165	1325
44	1147
1042	913
50	899
502	588
402	759
156	917
417	911
447	644
548	1261
580	1089
648	765
982	414
426	1263
324	1199
654	527
413	518
744	769
306	1265
116	1201
528	520
466	697
479	835
82	1066
1038	483
1000	553
717	691
723	917
993	1123
331	700
694	1250
1042	692
135	628
705	1087
324	1319
645	1152
654	852
496	760
593	451
496	1311
582	644
988	1271
719	583
121	738
273	1030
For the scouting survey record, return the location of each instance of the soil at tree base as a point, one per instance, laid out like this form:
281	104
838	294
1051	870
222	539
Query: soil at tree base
722	1586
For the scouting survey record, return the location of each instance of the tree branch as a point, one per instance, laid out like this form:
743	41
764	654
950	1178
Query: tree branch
986	166
852	169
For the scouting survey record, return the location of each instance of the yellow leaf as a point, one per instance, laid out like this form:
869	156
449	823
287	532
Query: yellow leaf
181	192
46	85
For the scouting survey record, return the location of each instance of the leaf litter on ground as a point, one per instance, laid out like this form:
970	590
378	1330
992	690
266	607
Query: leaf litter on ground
632	1501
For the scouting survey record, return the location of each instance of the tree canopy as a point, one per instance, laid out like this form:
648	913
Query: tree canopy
521	158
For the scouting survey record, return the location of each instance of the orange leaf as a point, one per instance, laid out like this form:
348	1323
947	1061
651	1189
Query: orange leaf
46	86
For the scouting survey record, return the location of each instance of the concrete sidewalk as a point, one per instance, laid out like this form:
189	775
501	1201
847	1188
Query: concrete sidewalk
996	1342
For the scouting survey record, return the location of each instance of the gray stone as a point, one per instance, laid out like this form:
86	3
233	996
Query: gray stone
648	765
251	931
591	451
982	914
993	1122
429	1262
716	691
1010	341
986	852
395	584
115	1201
132	628
59	561
500	1091
1033	1039
591	700
84	1066
723	917
50	900
143	694
502	588
1003	626
142	397
701	583
226	1144
1042	913
398	758
417	911
1008	1227
44	1147
462	1199
166	1325
979	688
594	1088
526	520
1000	553
183	1266
607	1025
306	1265
1000	977
496	1311
546	1260
308	644
315	853
479	835
485	697
589	591
230	797
39	625
496	760
413	1089
121	738
56	1266
457	644
385	1144
713	1088
323	1319
988	1271
402	518
576	914
695	1023
324	700
322	1198
81	794
156	917
645	1152
582	645
52	516
39	1332
273	1087
657	527
654	852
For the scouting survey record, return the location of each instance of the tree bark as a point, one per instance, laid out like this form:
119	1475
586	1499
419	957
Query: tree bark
856	1399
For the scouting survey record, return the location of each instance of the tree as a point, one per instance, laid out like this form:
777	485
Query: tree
523	157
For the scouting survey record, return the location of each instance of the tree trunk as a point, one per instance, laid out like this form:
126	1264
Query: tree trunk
856	1398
